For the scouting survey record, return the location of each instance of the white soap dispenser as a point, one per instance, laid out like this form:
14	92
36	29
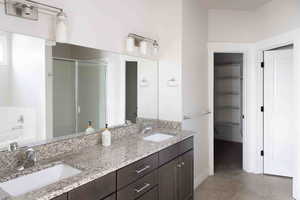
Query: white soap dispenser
106	137
90	128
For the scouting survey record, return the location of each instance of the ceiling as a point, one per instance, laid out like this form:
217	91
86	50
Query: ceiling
235	4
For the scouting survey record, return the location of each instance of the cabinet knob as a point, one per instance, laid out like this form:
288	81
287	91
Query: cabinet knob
182	163
179	165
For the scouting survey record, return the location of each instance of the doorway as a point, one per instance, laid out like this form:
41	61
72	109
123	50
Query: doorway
228	112
131	90
278	111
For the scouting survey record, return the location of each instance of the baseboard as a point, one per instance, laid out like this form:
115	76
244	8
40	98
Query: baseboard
199	179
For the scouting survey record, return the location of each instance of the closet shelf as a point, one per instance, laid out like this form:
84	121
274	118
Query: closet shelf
229	78
228	93
228	108
221	123
227	65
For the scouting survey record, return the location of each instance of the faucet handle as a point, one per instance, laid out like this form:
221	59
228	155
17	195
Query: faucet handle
13	147
30	154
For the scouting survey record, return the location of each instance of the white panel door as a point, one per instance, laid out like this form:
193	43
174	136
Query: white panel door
278	113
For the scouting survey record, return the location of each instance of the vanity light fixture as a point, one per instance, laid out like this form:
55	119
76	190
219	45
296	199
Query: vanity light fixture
130	44
29	9
136	41
62	27
143	47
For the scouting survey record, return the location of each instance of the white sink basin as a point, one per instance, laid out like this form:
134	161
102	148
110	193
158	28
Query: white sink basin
28	183
158	137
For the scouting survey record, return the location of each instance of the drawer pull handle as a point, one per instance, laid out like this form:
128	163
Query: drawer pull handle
138	190
138	171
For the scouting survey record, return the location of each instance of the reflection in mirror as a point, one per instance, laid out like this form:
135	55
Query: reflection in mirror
78	96
53	92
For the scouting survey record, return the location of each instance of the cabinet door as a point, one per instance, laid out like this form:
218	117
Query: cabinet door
167	181
186	176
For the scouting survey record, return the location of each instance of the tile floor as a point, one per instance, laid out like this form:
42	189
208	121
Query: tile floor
231	183
238	185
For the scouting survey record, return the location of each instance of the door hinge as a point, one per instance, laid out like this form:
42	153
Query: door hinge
262	153
262	109
262	64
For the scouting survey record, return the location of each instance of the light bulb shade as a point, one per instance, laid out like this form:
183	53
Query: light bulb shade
130	43
143	47
27	10
62	28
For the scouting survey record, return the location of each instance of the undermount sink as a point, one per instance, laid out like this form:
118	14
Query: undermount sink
158	137
37	180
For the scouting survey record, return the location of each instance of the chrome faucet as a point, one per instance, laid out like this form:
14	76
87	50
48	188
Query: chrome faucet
147	129
28	159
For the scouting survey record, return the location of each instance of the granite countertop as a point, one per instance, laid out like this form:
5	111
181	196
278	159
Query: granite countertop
95	162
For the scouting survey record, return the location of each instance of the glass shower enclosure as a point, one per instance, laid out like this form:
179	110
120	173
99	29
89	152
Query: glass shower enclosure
79	95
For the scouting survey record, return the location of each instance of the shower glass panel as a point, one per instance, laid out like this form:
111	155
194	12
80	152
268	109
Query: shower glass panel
79	89
91	95
64	97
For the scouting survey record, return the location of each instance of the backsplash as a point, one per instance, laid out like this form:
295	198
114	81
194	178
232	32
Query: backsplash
8	160
160	123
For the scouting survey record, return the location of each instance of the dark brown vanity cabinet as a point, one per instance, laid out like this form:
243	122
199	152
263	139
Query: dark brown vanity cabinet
176	177
166	175
186	176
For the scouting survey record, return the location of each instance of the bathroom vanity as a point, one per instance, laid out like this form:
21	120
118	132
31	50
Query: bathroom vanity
131	168
165	175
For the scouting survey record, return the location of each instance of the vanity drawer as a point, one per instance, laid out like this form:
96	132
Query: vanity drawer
62	197
136	170
95	190
151	195
186	145
139	187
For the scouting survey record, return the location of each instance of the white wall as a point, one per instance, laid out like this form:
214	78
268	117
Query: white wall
195	82
28	79
273	18
230	26
115	91
148	94
5	74
105	24
277	17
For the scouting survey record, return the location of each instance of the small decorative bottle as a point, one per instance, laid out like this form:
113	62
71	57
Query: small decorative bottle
90	128
106	137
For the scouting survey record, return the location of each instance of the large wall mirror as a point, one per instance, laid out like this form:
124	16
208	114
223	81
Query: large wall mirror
49	92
